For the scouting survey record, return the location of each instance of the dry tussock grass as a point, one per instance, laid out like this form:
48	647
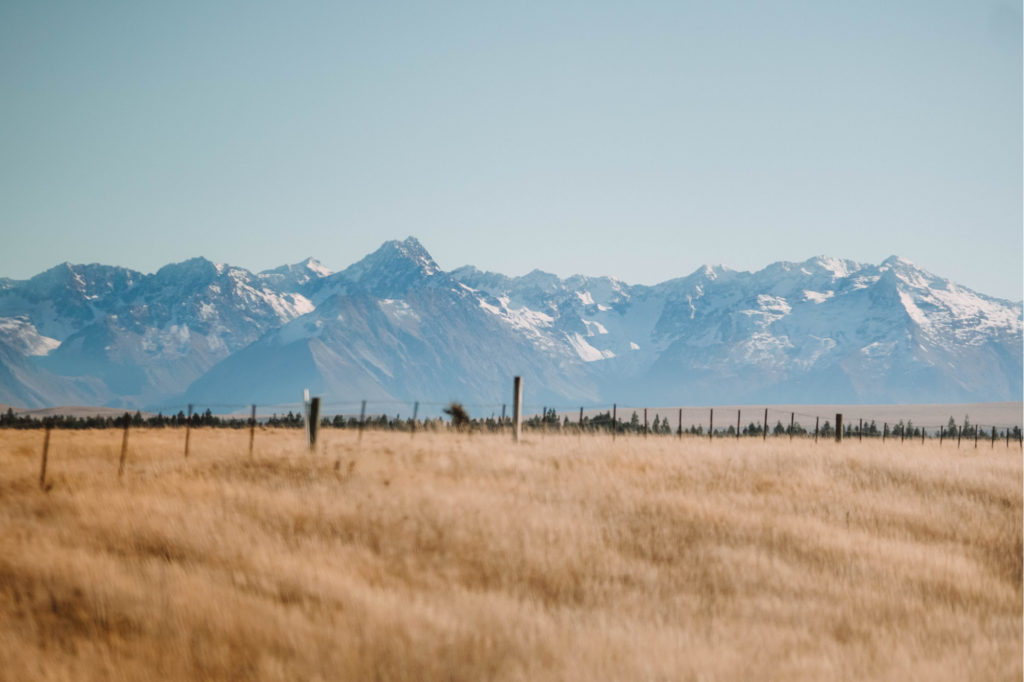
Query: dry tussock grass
457	557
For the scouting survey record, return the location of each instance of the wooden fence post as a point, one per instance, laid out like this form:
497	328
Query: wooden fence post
792	421
711	425
680	423
645	422
764	431
942	434
188	429
581	420
124	445
46	451
839	427
737	424
993	437
314	420
885	430
615	419
517	408
817	420
252	430
959	434
416	410
362	420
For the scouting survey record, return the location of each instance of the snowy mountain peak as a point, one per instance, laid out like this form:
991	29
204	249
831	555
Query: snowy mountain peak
838	268
316	267
402	254
711	273
411	249
293	278
896	261
388	272
191	270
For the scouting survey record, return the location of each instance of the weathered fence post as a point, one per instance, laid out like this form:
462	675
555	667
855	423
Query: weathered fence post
680	423
885	430
860	429
959	434
817	420
615	419
581	420
993	437
922	435
314	420
764	431
124	445
839	427
46	451
188	428
711	425
792	421
737	424
362	420
517	408
252	430
416	410
942	434
645	422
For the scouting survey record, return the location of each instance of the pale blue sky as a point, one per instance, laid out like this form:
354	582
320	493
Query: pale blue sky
637	139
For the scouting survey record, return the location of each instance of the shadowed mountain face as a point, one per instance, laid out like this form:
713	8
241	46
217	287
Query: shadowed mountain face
394	326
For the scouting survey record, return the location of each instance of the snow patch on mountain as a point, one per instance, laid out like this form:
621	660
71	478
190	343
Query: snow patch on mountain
586	352
522	318
19	334
818	296
397	310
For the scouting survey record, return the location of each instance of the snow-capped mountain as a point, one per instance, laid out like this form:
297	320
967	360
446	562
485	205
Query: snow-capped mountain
394	325
135	339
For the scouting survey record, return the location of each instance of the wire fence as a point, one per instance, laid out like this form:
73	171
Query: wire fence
614	419
723	424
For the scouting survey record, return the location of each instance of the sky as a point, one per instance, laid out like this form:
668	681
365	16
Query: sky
639	140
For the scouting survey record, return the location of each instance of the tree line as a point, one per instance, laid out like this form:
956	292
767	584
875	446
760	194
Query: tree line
548	420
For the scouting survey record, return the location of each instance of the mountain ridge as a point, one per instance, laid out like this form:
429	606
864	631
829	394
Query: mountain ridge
395	325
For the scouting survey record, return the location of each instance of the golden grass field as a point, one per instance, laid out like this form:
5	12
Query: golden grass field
455	557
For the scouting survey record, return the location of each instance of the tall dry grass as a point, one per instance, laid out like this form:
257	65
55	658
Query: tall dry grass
465	558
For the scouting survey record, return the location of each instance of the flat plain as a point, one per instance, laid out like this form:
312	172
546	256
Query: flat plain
449	556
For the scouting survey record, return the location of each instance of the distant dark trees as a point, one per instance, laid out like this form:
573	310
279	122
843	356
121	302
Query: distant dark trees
548	420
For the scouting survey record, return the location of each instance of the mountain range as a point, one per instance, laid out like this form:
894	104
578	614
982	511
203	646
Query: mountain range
395	326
